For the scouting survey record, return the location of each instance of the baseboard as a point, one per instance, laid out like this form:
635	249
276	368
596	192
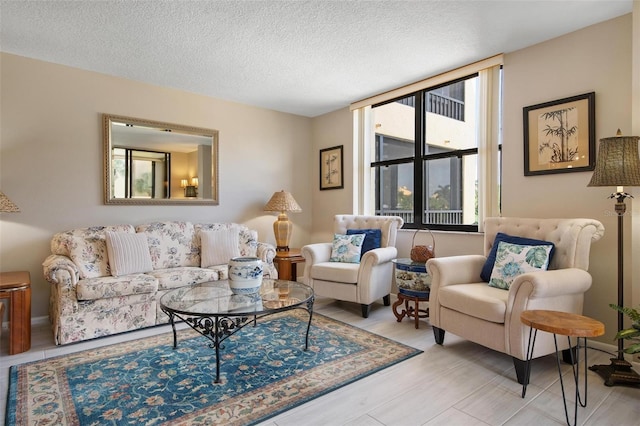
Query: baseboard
34	321
613	350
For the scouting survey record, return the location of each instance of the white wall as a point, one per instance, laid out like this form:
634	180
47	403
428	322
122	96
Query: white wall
597	58
52	156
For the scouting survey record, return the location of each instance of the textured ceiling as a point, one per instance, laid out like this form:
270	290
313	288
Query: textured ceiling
302	57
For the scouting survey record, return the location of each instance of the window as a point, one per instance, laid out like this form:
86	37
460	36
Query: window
426	163
140	174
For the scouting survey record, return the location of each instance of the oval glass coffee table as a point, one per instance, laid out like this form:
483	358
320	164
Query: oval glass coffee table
215	312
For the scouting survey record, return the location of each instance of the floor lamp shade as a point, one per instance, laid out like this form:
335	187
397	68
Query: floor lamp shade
618	164
282	202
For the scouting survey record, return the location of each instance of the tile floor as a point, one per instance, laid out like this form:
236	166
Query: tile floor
459	383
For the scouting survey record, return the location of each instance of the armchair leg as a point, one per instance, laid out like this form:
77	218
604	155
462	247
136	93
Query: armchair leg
521	371
387	300
365	310
438	334
566	355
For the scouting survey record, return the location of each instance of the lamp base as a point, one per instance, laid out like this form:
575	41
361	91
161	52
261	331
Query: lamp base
618	372
282	248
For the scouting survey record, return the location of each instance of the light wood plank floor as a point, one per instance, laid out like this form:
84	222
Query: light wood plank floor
459	383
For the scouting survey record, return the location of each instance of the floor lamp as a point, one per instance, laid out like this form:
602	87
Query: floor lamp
618	164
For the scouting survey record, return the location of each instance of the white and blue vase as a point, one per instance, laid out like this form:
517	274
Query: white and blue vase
245	275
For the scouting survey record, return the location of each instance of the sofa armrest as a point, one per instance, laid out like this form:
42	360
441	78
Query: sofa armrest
60	269
267	252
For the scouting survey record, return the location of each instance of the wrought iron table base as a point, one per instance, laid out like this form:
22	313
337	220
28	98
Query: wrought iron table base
217	328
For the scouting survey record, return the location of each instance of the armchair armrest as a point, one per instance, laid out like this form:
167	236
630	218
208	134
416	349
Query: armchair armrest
552	283
378	256
558	290
316	253
455	270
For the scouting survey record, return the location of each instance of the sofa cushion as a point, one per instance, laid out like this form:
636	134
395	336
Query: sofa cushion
218	246
476	300
128	253
110	287
90	256
485	274
171	244
186	275
515	259
346	248
372	239
336	271
248	238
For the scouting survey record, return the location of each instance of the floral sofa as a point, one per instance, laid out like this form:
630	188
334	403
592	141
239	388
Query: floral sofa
88	301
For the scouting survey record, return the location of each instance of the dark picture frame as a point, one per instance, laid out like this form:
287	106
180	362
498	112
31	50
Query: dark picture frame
331	168
559	136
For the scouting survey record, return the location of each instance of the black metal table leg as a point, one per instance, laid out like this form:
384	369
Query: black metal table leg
533	332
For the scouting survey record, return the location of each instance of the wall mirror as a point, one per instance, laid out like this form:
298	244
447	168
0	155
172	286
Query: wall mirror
150	162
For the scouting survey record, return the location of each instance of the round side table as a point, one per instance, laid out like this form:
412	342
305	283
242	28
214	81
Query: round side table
407	296
566	324
414	285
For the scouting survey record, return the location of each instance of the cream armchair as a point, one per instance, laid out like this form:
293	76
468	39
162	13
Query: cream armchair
463	304
361	283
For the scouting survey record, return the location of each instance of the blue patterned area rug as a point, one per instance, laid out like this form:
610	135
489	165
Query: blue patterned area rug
264	372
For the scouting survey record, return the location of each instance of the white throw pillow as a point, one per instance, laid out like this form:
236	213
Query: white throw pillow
514	259
128	253
218	246
346	248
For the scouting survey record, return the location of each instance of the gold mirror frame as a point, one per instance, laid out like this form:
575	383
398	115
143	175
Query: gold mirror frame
158	130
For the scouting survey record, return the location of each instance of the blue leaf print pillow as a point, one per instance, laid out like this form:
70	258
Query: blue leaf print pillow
515	259
346	248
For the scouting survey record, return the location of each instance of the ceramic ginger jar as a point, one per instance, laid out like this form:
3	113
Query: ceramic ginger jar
245	275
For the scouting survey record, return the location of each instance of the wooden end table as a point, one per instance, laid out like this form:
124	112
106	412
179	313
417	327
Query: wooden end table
286	263
16	286
565	324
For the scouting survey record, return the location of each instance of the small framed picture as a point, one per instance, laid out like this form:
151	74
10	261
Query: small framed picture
331	168
559	136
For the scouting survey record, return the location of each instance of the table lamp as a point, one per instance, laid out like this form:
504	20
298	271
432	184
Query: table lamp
282	202
618	164
6	205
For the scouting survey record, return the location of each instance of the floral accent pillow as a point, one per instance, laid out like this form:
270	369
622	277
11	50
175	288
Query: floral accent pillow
346	248
514	259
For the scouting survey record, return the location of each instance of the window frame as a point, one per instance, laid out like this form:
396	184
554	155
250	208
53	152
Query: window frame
420	159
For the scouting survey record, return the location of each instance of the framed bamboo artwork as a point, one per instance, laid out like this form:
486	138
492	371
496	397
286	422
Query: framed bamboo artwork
559	136
331	168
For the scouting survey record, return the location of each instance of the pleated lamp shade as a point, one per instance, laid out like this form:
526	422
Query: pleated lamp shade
617	163
6	205
282	202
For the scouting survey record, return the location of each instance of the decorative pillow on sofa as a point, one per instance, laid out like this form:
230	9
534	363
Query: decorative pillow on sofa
372	238
128	253
346	248
218	246
491	259
90	256
514	259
